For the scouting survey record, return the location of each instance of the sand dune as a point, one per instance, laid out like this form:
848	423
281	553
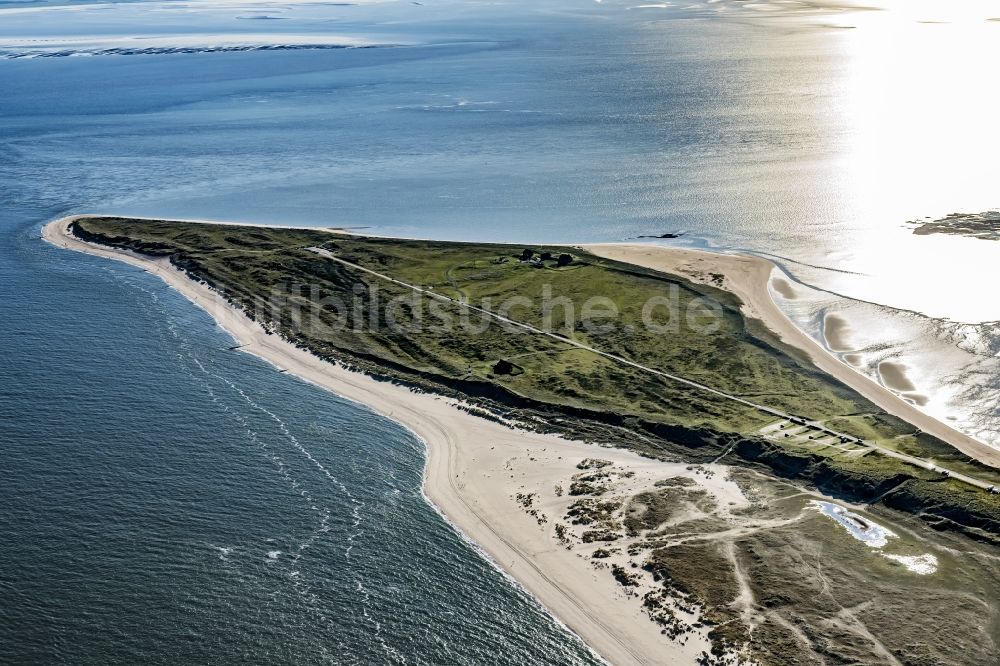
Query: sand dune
476	467
473	471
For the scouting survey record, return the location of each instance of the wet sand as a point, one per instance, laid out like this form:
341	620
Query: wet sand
837	333
749	277
894	377
784	288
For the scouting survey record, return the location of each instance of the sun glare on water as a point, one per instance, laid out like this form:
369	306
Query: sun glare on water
920	140
946	11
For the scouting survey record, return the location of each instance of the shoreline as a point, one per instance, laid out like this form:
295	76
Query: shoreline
474	466
749	277
466	478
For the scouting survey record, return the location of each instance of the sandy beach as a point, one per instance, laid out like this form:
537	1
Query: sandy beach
749	278
474	470
478	472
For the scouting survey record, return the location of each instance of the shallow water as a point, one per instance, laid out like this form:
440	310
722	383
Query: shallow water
164	496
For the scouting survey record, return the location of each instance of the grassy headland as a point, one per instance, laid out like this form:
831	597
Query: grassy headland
310	286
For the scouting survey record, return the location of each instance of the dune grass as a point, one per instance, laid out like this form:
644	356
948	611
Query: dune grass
343	314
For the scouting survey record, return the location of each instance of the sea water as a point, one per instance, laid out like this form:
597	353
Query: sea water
167	499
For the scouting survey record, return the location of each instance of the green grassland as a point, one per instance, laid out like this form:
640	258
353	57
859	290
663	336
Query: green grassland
825	597
547	382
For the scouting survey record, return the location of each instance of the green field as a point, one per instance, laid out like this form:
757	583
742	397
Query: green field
347	315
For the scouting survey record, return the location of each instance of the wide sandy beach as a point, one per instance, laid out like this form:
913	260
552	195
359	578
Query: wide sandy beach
749	278
475	467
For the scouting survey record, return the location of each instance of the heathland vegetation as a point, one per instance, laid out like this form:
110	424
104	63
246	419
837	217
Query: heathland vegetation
427	327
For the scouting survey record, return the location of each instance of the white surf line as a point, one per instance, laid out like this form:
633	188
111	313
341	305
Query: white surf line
919	462
606	635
